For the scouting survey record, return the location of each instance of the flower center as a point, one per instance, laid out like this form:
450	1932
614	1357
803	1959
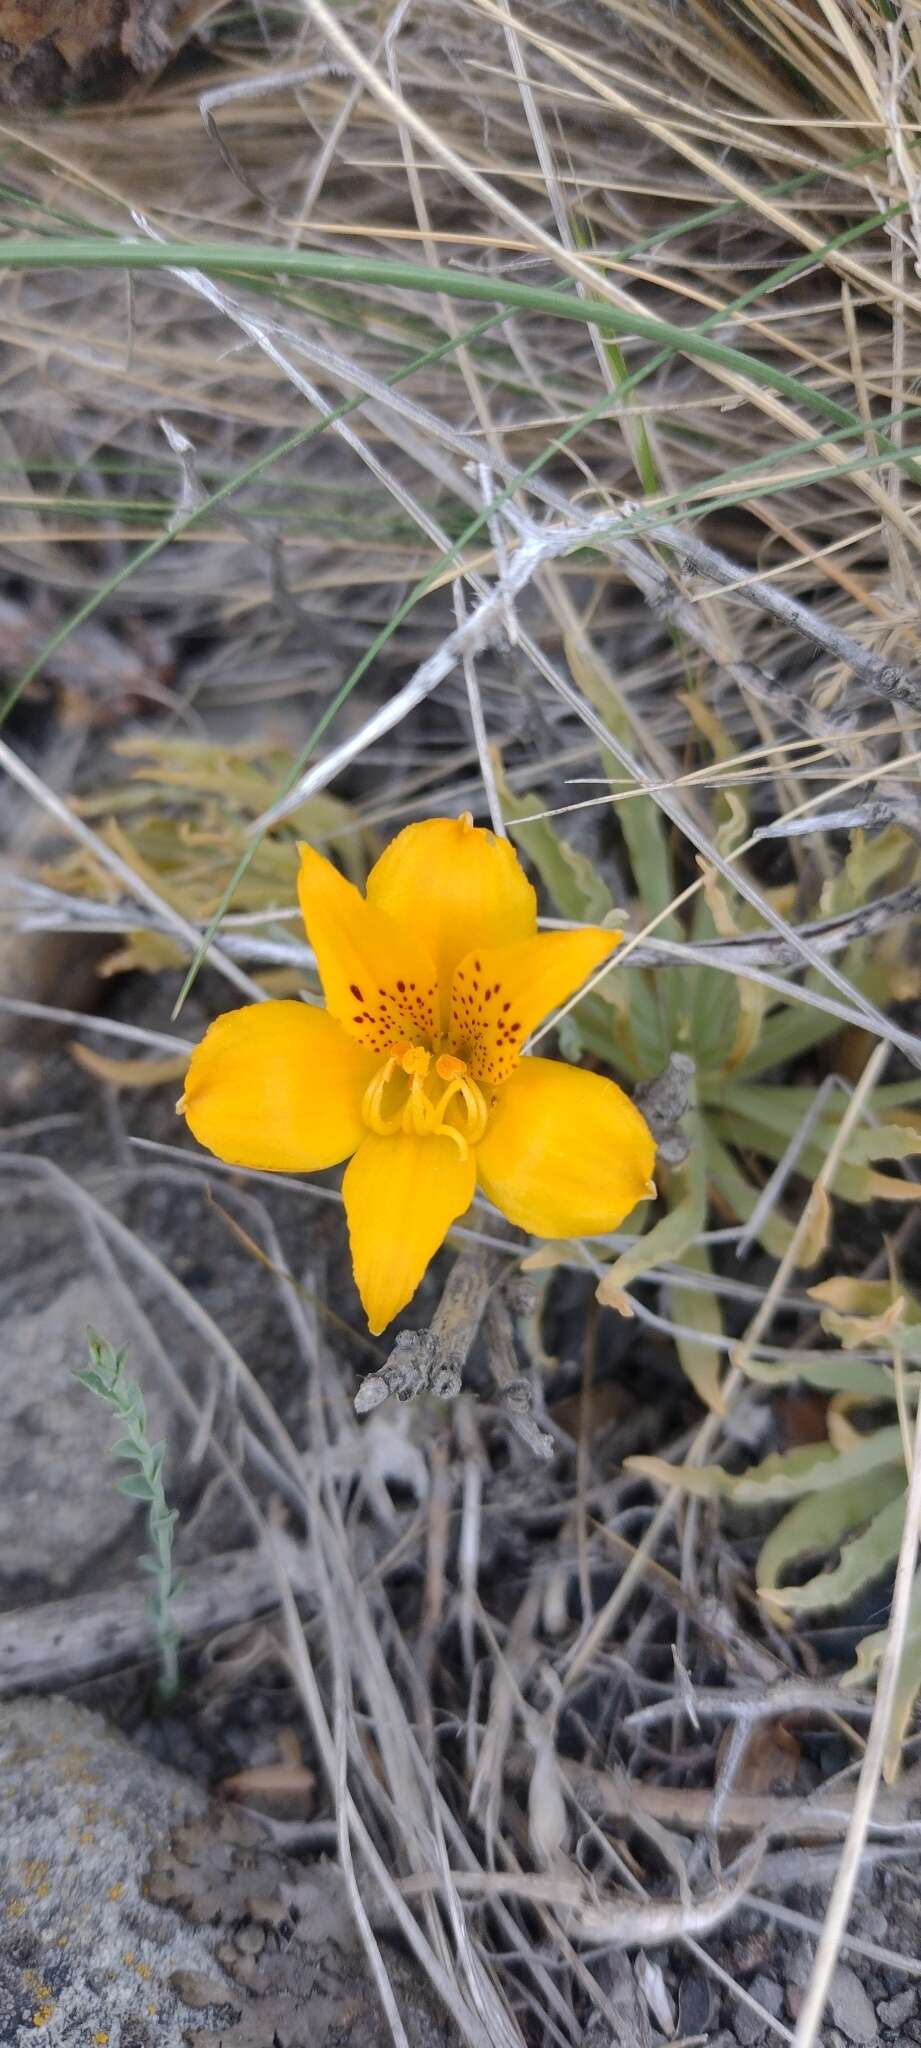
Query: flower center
441	1101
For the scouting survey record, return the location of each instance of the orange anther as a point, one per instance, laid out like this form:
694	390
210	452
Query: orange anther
416	1061
448	1067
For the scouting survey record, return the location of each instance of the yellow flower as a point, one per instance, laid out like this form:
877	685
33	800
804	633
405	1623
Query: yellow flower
413	1071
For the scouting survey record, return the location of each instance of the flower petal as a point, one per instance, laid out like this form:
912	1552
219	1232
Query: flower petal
277	1086
502	993
377	977
401	1196
565	1154
457	886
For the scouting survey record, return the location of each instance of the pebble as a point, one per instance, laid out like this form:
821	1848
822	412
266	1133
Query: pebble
895	2011
800	1962
749	2026
695	2005
850	2007
872	1923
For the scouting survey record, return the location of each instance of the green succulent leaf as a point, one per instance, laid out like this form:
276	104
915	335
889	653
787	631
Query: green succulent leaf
785	1475
817	1523
135	1486
863	1558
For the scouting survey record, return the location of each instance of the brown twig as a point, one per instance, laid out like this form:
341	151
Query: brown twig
514	1389
63	1642
432	1361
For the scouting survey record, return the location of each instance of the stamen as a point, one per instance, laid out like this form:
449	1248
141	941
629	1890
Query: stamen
449	1131
418	1115
418	1111
372	1099
448	1067
471	1097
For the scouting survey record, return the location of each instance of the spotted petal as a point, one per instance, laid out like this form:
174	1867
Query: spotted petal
502	993
455	885
565	1154
277	1086
377	976
402	1193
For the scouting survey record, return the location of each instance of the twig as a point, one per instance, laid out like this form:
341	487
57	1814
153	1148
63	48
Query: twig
514	1388
64	1642
818	1815
882	678
432	1361
588	1915
107	1027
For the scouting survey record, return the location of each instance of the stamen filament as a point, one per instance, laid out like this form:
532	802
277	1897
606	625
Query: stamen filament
418	1115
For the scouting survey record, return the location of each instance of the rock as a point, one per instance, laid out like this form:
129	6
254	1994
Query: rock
749	2026
629	2025
768	1993
695	2004
132	1914
872	1923
59	1508
800	1963
850	2007
83	1954
905	2006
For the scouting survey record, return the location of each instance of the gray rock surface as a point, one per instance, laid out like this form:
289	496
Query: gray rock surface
850	2006
85	1957
59	1508
748	2026
132	1915
893	2012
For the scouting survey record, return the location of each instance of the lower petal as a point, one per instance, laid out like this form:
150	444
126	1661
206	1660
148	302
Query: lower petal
565	1154
277	1086
402	1194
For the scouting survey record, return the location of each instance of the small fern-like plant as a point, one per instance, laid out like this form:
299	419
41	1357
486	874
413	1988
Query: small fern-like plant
105	1375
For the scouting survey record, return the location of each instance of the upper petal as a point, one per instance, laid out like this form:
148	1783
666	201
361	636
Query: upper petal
401	1196
457	886
377	977
565	1154
502	993
277	1086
